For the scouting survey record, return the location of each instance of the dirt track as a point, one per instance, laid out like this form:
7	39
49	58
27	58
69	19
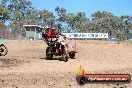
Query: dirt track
25	66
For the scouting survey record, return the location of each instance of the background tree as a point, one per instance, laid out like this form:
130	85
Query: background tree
127	20
61	19
4	16
19	9
72	22
106	22
46	18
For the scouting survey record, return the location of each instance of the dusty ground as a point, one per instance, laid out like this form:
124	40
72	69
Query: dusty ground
25	67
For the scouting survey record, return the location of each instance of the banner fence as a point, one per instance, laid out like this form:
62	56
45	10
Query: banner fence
87	35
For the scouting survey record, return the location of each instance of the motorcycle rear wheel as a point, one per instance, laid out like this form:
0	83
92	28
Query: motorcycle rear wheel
49	53
65	56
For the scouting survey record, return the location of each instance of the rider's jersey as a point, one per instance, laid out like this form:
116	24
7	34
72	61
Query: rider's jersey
52	33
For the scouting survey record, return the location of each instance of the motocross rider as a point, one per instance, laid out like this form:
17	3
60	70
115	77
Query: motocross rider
57	37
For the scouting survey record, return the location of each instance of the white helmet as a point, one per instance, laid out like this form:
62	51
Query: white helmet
47	27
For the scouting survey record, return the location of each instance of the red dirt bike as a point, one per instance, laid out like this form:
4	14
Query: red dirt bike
57	49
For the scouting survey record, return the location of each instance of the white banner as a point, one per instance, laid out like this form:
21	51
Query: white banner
86	35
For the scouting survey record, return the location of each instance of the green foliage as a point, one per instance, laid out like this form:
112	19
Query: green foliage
3	30
18	11
76	22
101	15
118	27
46	18
4	13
